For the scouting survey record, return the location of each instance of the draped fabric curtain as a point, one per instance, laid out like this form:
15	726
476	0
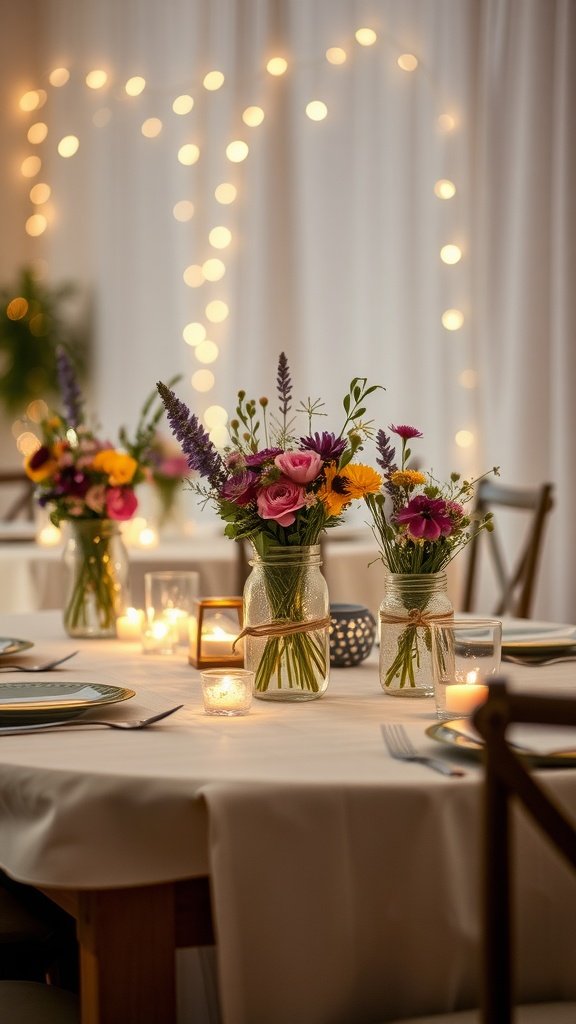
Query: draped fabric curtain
336	230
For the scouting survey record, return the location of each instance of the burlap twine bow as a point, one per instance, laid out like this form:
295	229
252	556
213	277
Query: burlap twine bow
416	617
266	629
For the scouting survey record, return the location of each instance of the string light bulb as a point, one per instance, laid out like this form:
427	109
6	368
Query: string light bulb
277	66
444	188
365	36
59	77
183	104
452	319
135	85
96	79
68	146
450	254
316	110
336	55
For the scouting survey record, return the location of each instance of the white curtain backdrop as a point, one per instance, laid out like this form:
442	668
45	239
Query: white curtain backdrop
336	229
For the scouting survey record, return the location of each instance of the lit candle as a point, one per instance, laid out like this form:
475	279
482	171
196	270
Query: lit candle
464	698
227	692
130	625
159	637
178	617
217	642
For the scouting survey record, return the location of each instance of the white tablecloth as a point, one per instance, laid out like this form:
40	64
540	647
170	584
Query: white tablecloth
344	882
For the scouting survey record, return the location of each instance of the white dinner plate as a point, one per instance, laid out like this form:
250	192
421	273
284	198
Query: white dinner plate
527	636
41	702
460	735
8	645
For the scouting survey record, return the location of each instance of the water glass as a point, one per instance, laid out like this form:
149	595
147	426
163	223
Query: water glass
465	657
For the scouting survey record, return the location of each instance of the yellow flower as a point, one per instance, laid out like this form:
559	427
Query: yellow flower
407	478
40	465
334	491
362	480
119	467
343	487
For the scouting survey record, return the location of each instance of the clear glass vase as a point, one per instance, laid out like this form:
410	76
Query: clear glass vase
97	566
412	603
287	623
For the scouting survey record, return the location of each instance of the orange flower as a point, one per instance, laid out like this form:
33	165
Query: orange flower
40	464
334	492
362	480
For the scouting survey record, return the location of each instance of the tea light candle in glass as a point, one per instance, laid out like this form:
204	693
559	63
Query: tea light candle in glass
159	637
227	691
465	656
130	625
170	597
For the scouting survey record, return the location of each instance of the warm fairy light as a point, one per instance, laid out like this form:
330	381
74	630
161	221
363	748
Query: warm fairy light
58	77
277	66
336	55
225	193
32	100
207	352
194	333
213	80
183	104
183	210
37	133
36	225
450	254
96	79
151	127
446	122
17	308
194	275
316	110
135	85
365	36
215	416
219	436
101	117
214	269
30	166
220	237
452	319
237	151
27	443
188	154
253	116
202	380
37	410
464	438
407	61
217	311
444	188
68	146
468	379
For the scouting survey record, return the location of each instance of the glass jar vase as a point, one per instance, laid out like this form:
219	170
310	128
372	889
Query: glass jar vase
412	603
97	567
287	624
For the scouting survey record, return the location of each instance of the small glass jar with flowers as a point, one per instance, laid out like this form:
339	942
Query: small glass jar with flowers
89	486
420	525
281	490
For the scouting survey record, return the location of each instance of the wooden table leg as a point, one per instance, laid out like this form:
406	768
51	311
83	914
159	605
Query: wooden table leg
127	955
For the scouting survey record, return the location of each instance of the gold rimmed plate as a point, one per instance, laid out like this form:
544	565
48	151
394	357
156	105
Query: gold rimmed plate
9	645
42	701
460	735
520	636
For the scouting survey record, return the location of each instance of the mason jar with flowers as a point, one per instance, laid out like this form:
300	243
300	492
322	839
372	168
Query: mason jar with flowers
89	486
420	525
281	490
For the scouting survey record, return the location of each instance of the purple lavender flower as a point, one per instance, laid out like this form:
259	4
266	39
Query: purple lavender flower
326	445
405	432
69	388
199	450
284	383
259	458
386	452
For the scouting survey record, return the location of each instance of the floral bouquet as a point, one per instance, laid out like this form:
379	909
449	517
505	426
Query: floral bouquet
89	483
168	468
281	490
420	526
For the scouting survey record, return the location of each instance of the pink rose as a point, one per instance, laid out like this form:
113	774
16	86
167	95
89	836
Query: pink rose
280	501
302	467
121	503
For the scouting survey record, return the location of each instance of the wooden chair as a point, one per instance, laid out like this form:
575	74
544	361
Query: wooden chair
507	777
21	497
517	586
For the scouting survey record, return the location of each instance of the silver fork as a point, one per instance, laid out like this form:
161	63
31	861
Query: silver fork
400	747
46	667
74	723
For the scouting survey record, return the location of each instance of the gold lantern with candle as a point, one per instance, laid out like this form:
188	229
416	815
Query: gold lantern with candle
214	625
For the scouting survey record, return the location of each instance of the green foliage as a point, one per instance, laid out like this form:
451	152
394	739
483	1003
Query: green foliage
28	343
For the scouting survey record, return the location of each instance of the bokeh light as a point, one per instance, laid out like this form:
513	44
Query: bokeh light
202	380
36	225
217	311
444	188
96	79
30	166
37	132
220	237
464	438
189	154
194	333
225	193
365	36
450	254
214	269
183	104
68	146
253	116
336	55
277	66
407	61
213	80
151	127
452	319
40	193
316	110
194	275
135	85
59	77
183	210
206	351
